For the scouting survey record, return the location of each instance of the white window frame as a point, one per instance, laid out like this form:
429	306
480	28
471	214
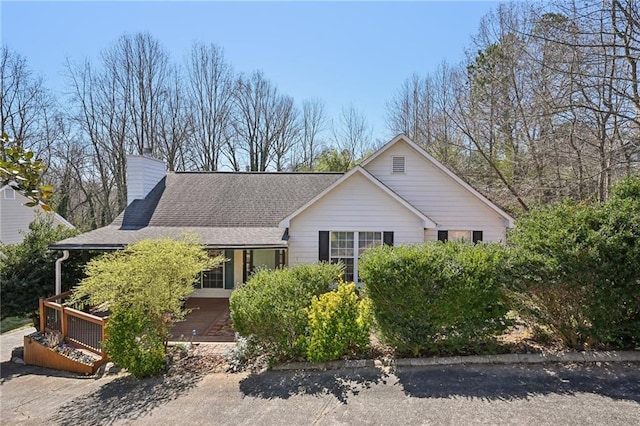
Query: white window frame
357	250
200	281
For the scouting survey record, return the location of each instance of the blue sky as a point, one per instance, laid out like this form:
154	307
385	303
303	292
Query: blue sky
344	53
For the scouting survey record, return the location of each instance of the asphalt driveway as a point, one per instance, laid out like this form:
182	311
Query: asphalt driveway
558	394
483	394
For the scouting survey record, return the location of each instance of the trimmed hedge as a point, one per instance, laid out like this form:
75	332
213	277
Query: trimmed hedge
271	307
436	298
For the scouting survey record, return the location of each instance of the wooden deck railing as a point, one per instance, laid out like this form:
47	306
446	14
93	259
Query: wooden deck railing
77	327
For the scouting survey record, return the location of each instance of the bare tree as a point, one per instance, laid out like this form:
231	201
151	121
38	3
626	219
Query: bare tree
408	111
102	122
289	129
211	95
263	121
26	107
139	67
176	125
352	133
312	124
420	110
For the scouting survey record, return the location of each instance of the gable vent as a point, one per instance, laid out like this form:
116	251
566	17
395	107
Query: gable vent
9	194
397	165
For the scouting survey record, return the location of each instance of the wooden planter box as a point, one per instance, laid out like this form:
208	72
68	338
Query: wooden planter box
37	354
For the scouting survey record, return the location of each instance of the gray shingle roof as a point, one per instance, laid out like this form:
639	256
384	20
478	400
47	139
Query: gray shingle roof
224	209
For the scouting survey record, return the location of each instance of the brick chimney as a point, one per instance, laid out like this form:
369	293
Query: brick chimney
143	174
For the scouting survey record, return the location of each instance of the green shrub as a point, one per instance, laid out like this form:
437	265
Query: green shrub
552	270
270	306
576	269
339	324
27	270
436	297
134	343
616	307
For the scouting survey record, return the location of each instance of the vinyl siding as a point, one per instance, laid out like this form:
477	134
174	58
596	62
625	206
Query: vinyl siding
143	174
15	218
354	205
445	201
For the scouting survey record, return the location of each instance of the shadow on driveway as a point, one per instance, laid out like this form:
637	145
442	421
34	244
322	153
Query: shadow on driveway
124	398
486	382
284	384
10	370
511	382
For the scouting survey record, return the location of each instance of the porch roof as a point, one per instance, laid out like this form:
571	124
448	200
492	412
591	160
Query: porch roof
113	237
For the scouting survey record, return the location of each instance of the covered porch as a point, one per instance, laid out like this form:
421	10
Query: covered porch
209	321
244	250
238	266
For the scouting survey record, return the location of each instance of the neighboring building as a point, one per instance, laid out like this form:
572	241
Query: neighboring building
15	217
399	195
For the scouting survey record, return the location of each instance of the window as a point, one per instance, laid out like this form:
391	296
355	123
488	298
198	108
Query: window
367	240
343	249
9	194
213	278
457	235
397	165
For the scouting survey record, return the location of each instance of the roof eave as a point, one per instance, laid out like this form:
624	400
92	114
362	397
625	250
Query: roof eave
87	246
209	246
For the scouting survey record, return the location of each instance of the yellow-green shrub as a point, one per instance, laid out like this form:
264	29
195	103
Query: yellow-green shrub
339	324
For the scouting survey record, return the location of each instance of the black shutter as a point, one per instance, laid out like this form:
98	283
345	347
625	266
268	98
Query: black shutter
477	236
443	235
323	246
387	238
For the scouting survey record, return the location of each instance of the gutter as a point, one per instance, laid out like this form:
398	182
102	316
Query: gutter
65	256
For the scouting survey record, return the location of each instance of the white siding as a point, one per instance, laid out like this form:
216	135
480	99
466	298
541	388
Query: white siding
15	218
355	205
443	200
143	174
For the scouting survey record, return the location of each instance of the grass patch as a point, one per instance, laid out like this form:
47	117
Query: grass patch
12	323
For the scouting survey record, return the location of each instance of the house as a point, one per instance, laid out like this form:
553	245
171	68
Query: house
399	195
15	217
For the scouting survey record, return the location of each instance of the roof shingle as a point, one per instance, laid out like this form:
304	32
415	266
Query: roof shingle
211	204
